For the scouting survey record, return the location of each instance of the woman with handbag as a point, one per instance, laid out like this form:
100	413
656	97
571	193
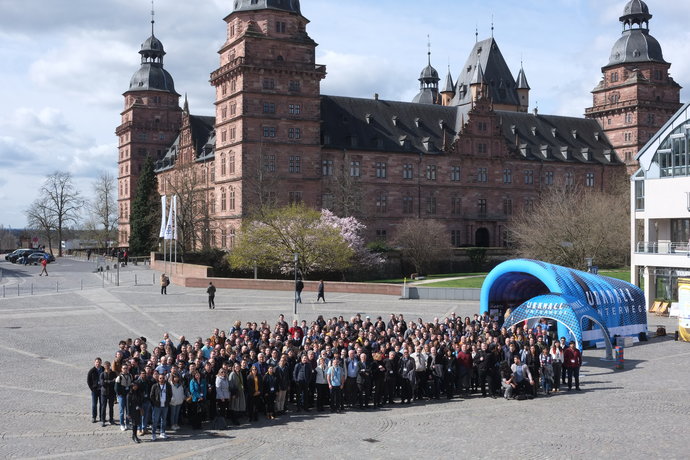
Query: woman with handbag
253	393
197	388
135	404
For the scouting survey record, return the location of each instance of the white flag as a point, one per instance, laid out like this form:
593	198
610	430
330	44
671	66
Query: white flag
171	226
162	231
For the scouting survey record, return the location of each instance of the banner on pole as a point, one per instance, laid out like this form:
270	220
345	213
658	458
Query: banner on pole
162	230
171	226
684	310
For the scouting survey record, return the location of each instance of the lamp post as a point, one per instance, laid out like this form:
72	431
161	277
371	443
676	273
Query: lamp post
295	290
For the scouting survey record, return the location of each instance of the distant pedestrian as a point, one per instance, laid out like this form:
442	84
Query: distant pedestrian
165	281
88	254
320	292
44	264
298	290
211	291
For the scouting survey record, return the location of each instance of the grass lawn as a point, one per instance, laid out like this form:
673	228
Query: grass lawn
430	277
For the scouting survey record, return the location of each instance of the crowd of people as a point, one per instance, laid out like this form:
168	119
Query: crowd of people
331	364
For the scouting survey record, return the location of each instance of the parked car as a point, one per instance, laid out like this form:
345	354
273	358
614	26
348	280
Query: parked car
36	257
19	253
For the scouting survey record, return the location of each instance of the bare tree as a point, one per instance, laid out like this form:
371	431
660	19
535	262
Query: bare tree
569	225
40	217
7	239
194	220
346	188
62	202
103	209
423	241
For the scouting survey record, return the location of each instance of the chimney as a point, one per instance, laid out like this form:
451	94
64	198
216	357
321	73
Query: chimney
376	96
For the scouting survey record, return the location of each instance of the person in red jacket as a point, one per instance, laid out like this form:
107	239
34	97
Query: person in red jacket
464	360
572	360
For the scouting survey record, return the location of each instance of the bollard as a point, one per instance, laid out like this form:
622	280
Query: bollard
3	291
32	288
17	290
81	285
620	357
56	287
135	279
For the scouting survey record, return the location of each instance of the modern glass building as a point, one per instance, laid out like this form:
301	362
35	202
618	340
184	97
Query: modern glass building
660	210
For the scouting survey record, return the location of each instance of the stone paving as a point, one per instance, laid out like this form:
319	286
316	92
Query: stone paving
48	342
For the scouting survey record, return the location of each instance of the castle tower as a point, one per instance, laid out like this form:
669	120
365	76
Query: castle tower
636	95
267	110
150	123
428	84
448	90
523	90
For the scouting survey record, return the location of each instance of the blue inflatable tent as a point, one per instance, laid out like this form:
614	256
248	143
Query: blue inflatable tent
588	308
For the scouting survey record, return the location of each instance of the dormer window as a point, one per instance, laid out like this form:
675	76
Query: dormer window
513	129
369	118
586	153
574	133
596	136
534	130
417	122
554	131
565	153
395	120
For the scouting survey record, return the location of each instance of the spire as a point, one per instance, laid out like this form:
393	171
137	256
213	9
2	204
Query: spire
185	107
152	17
476	33
492	26
448	87
522	79
428	44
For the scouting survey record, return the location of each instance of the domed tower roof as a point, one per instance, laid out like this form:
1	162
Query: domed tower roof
635	12
291	6
636	44
151	75
428	84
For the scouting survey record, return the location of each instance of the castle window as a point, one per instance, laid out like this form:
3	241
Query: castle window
294	109
481	207
223	238
223	197
380	168
456	205
482	175
614	77
507	176
233	109
431	172
455	173
327	201
507	206
381	203
269	107
280	27
529	176
270	163
294	85
408	171
481	126
294	164
327	168
481	148
548	178
408	204
589	180
431	204
529	205
569	179
295	197
231	163
269	83
381	234
455	238
354	168
233	133
231	199
223	170
650	119
269	131
628	118
294	133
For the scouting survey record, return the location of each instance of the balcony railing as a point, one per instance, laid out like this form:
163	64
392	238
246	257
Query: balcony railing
662	247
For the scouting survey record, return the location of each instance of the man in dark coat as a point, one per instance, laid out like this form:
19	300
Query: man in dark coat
364	381
406	368
302	375
211	291
93	380
107	384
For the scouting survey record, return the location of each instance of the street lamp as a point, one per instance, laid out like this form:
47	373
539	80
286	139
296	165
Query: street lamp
295	290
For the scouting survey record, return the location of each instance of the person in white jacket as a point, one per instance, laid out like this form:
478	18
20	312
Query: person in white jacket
176	400
222	392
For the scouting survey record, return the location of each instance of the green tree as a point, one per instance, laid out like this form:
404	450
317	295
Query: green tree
271	241
146	213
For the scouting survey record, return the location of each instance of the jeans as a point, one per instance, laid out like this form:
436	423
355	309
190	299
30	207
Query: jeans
175	414
146	416
336	399
160	415
95	400
122	404
107	401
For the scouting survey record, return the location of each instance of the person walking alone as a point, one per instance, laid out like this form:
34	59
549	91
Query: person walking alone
44	264
164	284
320	292
211	291
298	290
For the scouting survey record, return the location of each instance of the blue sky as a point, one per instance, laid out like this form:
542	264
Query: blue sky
66	63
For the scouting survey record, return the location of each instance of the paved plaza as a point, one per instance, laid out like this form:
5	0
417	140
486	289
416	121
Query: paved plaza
48	341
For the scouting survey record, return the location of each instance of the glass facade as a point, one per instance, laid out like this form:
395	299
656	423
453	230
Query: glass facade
672	155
